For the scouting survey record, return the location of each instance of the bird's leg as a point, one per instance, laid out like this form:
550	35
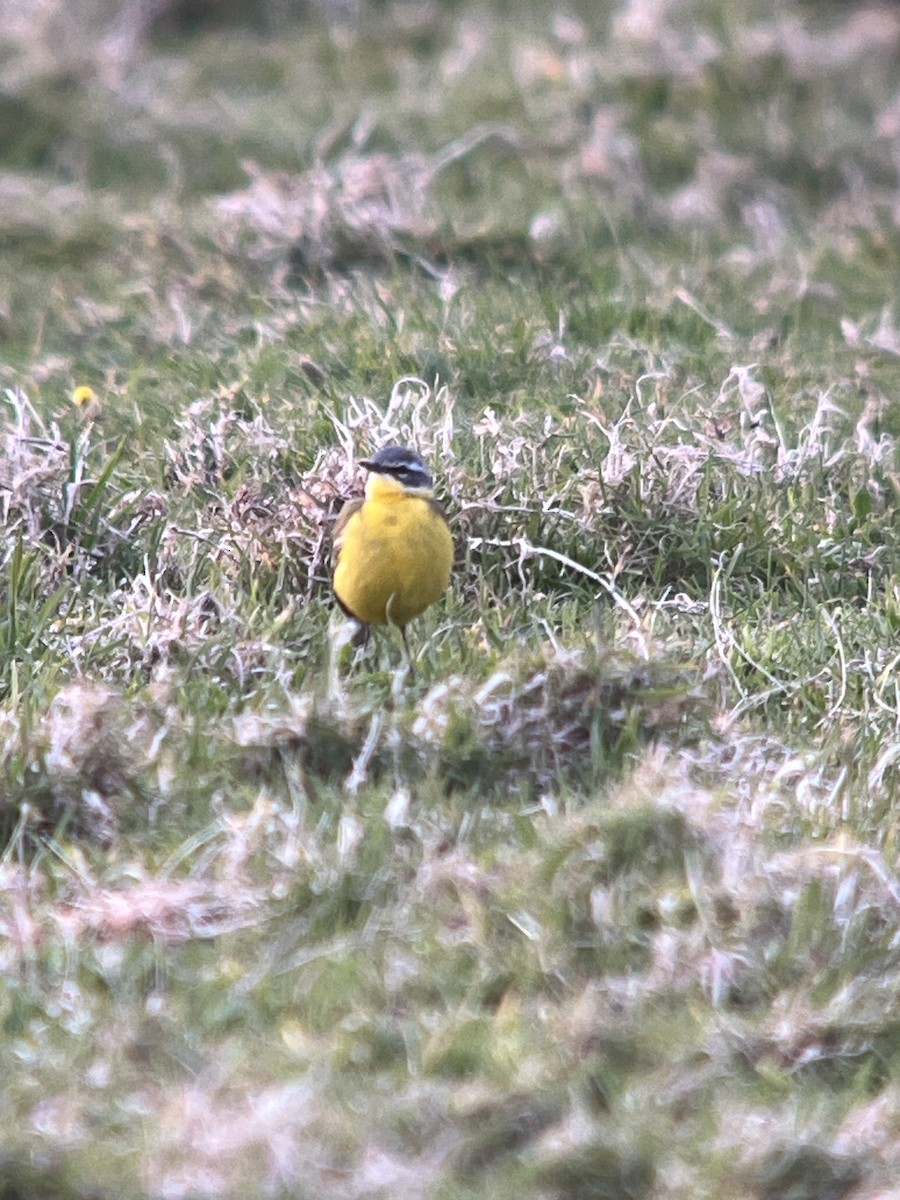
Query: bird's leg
340	636
409	658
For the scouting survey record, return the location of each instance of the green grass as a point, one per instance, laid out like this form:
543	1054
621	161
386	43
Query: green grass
604	902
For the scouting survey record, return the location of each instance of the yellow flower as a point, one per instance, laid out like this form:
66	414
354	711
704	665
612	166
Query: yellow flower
84	396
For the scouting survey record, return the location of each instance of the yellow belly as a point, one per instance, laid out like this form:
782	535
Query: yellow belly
394	560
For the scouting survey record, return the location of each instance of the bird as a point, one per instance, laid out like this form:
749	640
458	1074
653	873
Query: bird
393	546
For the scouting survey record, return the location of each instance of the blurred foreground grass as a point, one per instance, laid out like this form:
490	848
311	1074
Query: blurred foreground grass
605	904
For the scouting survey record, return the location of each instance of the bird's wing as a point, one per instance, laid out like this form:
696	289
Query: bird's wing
340	524
337	536
459	541
436	507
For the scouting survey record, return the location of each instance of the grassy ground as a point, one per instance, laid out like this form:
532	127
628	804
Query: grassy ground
604	903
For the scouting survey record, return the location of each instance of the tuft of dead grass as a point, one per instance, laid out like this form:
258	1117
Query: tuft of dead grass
573	715
365	210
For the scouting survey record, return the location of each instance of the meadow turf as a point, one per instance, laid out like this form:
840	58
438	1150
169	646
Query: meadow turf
604	903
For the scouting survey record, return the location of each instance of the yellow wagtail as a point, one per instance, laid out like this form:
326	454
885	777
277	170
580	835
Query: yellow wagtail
393	547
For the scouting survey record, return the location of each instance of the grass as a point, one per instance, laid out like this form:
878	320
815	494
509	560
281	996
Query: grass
604	903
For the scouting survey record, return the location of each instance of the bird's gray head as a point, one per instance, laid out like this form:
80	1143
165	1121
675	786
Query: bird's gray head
400	463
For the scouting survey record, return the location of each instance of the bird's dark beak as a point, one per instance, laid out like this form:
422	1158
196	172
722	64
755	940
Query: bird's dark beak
367	463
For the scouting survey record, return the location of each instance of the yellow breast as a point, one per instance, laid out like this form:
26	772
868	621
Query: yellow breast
395	554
